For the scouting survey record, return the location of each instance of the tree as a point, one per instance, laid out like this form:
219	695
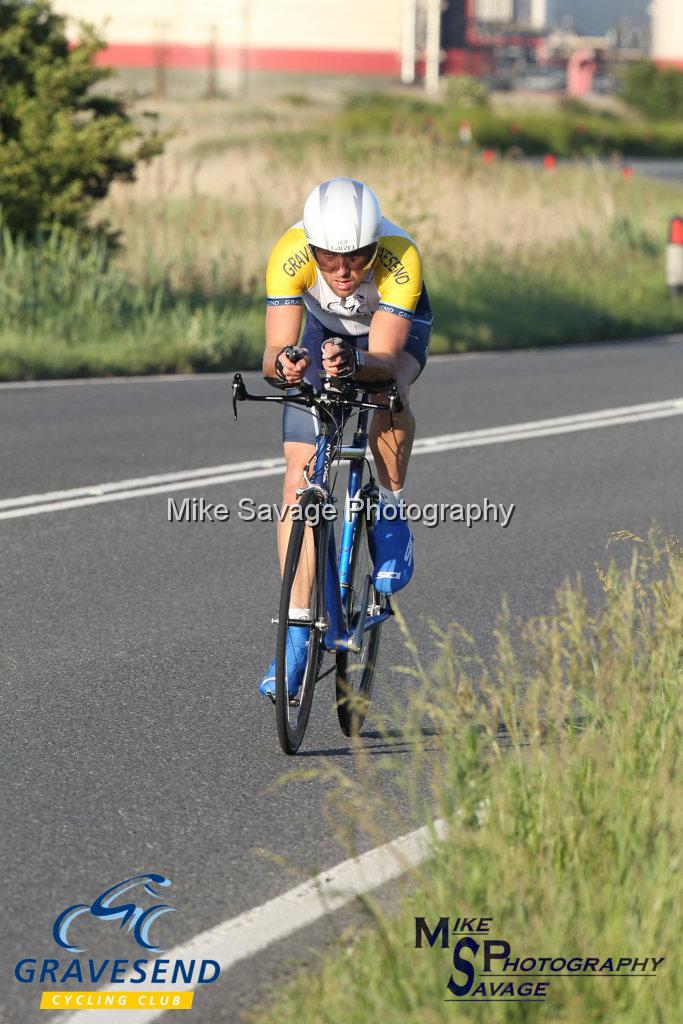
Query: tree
656	92
61	144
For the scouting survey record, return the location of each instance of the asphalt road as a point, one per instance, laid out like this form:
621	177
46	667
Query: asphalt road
660	168
665	170
134	738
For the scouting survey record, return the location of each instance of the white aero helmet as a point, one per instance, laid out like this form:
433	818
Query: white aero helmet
342	215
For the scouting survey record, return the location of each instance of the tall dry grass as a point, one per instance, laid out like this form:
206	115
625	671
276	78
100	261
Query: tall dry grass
212	219
557	767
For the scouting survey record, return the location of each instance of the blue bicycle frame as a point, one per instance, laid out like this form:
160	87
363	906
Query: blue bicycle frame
338	636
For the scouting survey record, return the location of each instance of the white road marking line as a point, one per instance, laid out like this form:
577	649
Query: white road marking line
80	382
180	378
142	481
249	933
140	492
580	418
549	431
209	476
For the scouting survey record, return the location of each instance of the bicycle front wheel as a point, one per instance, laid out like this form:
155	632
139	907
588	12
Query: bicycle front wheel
356	671
305	568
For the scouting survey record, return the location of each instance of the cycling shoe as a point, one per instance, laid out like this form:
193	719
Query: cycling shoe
391	547
297	652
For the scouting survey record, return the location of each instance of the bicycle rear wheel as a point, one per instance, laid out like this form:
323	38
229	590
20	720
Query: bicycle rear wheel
355	671
305	555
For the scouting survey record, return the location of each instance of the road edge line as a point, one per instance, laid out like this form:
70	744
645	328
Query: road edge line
242	937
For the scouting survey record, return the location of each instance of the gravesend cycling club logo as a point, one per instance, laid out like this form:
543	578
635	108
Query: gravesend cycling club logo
123	907
138	919
485	969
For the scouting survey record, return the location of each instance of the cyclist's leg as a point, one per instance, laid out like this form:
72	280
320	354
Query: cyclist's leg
392	448
299	432
391	540
297	457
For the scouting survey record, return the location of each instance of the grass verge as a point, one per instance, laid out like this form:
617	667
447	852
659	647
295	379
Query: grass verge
98	322
560	774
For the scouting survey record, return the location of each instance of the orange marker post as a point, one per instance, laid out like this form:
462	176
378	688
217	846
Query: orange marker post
674	256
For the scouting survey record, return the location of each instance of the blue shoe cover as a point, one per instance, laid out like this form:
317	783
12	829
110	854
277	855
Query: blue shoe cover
297	652
391	547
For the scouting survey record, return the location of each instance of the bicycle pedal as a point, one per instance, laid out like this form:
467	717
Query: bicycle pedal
293	701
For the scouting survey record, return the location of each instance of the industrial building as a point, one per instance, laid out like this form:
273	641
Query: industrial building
367	37
219	39
667	32
360	38
592	17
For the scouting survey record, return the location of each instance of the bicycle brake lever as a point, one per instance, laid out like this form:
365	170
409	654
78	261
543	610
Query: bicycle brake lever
296	352
395	404
239	392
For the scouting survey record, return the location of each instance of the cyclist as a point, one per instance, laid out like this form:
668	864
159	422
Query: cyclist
359	278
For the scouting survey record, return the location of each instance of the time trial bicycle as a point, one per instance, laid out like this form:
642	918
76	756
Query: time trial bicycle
346	612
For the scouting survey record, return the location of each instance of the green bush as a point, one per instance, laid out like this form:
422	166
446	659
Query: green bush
467	91
61	144
656	92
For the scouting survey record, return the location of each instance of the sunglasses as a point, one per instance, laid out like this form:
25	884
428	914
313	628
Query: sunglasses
358	259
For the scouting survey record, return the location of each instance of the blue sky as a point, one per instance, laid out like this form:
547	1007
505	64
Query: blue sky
594	17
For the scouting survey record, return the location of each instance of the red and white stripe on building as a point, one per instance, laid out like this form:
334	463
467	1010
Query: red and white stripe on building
356	37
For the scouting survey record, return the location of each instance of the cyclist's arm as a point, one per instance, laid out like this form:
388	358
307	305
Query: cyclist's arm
283	327
289	273
398	275
388	337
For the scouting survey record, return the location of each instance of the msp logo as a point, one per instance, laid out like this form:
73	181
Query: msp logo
139	920
122	904
485	969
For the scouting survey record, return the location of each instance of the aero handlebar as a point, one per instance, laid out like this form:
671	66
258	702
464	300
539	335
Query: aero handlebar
336	391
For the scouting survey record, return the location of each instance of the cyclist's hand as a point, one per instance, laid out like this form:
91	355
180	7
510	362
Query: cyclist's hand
339	357
291	364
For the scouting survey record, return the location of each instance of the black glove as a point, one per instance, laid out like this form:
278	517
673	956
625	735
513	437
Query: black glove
294	353
348	357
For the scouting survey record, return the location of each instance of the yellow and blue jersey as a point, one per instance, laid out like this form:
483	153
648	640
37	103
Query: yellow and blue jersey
393	282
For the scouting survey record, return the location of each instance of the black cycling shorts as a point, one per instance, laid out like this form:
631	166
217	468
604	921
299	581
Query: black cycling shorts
300	423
